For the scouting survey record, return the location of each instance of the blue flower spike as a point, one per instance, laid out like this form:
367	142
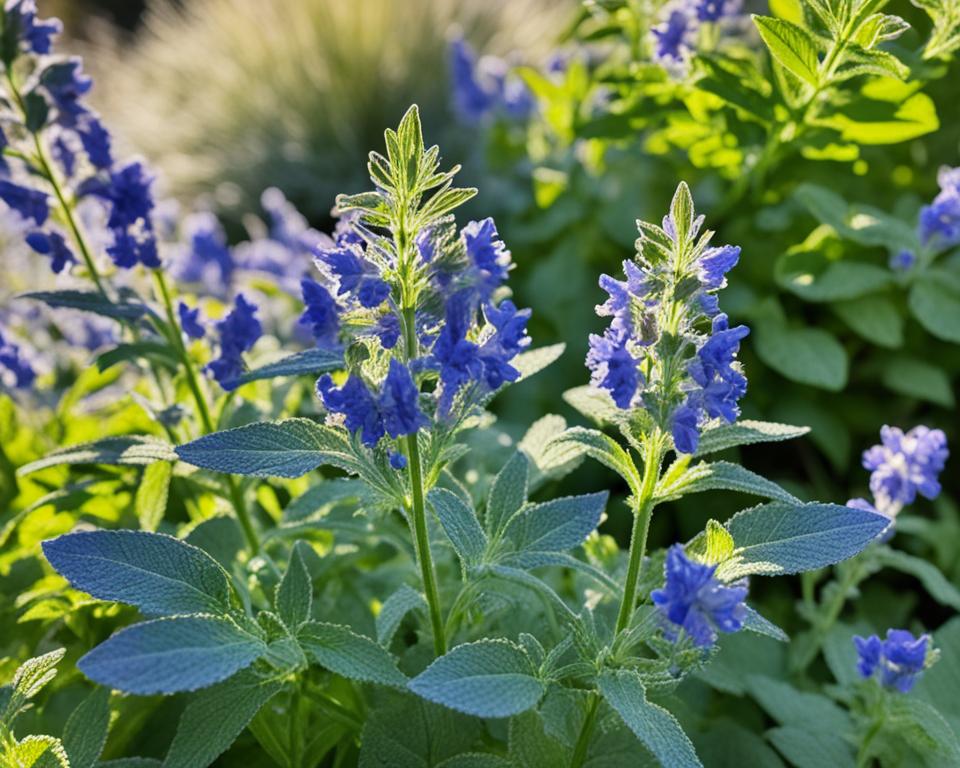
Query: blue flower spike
668	349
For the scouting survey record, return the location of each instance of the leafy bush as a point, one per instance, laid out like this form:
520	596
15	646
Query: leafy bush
236	561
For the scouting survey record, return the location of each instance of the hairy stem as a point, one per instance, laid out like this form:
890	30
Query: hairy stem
641	527
236	497
418	516
586	731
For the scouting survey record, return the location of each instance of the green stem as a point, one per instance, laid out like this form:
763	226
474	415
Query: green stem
418	515
236	497
295	733
879	719
335	710
641	527
586	731
850	578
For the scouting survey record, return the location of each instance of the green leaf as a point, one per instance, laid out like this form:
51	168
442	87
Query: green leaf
916	378
151	350
507	493
788	706
311	362
656	728
214	718
353	656
811	749
778	538
36	752
875	318
936	584
546	464
557	525
155	572
35	673
408	732
535	360
887	111
937	308
682	212
604	449
288	448
839	280
713	546
86	729
746	432
721	475
123	450
923	728
89	301
295	591
790	45
181	653
460	524
595	404
806	355
488	678
394	608
152	494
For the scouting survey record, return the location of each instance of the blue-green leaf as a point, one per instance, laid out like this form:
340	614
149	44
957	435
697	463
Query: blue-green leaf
722	475
155	572
181	653
656	728
507	494
780	538
343	651
489	678
557	525
295	590
288	448
86	729
132	450
460	524
310	362
394	608
90	301
746	432
215	717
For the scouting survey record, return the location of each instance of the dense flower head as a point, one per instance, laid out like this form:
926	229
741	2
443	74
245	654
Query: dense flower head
394	410
905	464
940	221
12	360
238	332
695	601
481	87
668	349
900	659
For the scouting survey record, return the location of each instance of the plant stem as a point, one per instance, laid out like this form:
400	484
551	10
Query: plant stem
335	710
418	515
641	527
879	719
236	497
586	731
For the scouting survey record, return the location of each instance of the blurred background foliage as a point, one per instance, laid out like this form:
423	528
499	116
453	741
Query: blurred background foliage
228	97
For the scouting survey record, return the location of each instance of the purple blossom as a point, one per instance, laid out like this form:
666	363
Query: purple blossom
322	314
66	85
190	321
34	36
900	659
28	202
692	599
940	221
613	367
238	331
54	245
14	361
904	465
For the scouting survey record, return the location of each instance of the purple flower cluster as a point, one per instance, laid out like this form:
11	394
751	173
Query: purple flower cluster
663	301
54	109
481	87
674	39
940	221
357	300
903	465
900	659
238	331
12	359
694	600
